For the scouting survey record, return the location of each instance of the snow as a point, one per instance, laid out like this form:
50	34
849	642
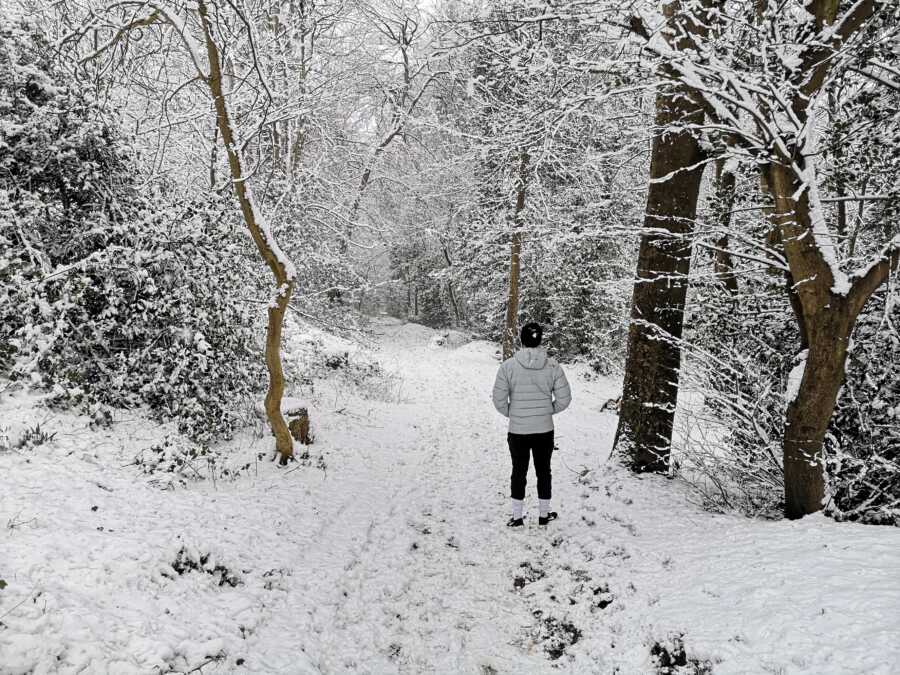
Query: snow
822	236
795	377
290	271
448	339
170	13
393	557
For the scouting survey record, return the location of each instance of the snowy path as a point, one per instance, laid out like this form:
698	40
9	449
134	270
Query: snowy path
394	559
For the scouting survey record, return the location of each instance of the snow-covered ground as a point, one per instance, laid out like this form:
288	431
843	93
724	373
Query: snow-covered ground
391	555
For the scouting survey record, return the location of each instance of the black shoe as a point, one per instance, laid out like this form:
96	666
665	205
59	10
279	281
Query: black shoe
553	515
515	522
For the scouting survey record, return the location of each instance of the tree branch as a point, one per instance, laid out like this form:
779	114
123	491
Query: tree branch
868	280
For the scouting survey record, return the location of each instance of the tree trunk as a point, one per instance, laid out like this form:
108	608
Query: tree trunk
457	320
457	316
819	313
806	423
265	243
650	388
453	301
827	316
825	301
510	326
512	301
213	159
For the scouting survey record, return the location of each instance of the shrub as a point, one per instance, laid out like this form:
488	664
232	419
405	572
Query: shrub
174	462
863	447
111	294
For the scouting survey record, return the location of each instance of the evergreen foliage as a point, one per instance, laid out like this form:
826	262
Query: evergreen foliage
112	293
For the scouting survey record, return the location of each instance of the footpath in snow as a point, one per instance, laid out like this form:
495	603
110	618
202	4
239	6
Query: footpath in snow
390	555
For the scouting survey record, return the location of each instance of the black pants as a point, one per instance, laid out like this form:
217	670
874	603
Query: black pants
521	447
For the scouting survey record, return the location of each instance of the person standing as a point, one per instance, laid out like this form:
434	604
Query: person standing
529	389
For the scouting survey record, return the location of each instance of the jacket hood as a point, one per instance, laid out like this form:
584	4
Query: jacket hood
533	358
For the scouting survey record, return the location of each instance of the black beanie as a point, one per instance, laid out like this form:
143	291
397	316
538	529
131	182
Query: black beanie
532	333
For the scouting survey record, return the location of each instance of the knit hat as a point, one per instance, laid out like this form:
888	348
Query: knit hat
532	333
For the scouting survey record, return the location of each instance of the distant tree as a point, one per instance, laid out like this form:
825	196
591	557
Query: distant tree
539	141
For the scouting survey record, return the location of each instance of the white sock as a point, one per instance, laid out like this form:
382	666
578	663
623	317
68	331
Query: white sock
544	507
518	506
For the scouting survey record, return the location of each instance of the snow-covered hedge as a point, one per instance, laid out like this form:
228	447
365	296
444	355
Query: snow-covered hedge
111	293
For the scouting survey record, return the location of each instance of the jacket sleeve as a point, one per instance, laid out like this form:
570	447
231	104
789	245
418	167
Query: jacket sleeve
562	393
501	393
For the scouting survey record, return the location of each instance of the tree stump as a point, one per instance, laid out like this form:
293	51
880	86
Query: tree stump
296	414
298	423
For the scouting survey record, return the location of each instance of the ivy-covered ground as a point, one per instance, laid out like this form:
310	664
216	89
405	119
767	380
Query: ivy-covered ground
385	551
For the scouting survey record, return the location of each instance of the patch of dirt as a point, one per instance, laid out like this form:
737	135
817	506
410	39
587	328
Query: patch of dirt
188	561
602	597
557	635
670	658
527	574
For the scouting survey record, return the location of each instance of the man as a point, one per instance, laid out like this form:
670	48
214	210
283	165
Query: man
529	390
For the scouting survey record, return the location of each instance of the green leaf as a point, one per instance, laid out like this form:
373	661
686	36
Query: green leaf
2	584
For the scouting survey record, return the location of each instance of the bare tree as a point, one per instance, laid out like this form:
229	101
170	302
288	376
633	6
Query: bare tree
111	29
406	31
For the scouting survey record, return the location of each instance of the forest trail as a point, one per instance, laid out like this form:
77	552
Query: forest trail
393	557
423	573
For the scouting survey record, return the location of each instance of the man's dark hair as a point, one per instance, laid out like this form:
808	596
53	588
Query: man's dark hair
532	333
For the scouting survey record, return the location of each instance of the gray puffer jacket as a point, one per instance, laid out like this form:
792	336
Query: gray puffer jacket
529	390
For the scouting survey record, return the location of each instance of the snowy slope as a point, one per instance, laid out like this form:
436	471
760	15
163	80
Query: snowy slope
393	557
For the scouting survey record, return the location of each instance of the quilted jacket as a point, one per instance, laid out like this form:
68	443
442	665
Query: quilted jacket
529	389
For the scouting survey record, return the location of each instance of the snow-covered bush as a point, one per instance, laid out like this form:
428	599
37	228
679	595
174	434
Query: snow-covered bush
314	356
149	316
738	364
577	290
111	292
176	461
863	448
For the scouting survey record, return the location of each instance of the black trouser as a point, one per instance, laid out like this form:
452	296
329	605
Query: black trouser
521	447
